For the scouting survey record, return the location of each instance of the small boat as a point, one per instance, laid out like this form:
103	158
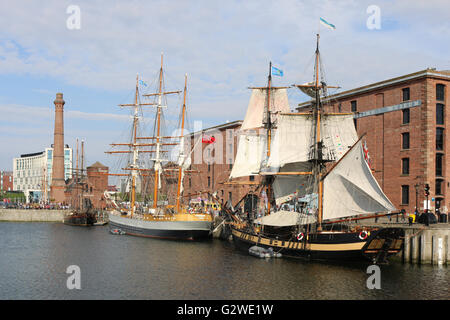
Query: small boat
84	216
117	231
261	252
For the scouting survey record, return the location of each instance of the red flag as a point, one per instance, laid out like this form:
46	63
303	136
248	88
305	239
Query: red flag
208	139
366	154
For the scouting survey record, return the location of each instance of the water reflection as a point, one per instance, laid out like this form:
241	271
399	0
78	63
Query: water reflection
35	256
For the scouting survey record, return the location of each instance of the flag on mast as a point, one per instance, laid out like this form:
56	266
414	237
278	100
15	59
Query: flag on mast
366	154
327	24
277	72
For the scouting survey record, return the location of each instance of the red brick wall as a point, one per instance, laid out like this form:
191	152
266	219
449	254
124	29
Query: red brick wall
7	181
384	132
219	168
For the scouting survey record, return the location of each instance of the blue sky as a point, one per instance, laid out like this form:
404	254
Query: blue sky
223	46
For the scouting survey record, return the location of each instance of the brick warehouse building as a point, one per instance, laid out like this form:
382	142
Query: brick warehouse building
6	181
214	162
92	186
406	123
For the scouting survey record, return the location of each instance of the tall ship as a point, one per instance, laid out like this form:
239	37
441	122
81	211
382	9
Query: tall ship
314	181
162	214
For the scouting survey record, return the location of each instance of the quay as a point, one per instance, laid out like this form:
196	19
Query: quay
32	215
423	244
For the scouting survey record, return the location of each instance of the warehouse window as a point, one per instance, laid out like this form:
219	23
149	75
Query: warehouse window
353	104
439	138
439	164
438	187
440	92
405	92
439	113
405	166
405	140
405	116
405	194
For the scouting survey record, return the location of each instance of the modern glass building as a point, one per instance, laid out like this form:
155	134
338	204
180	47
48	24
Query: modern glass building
32	173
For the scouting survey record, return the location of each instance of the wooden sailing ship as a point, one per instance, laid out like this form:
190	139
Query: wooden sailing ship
82	212
161	219
315	181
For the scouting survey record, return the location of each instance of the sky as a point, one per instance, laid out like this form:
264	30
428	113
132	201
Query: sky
93	56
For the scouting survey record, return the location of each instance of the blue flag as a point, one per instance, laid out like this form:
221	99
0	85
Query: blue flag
142	83
277	72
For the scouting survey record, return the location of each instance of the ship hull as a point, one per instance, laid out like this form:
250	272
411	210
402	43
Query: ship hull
79	220
329	246
165	229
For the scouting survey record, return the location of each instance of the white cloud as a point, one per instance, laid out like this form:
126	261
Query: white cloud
224	46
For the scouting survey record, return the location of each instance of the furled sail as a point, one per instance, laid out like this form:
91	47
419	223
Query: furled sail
284	218
308	89
258	102
350	188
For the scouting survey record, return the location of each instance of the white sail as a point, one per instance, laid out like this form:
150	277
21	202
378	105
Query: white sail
295	135
338	134
250	154
286	188
256	106
350	188
292	140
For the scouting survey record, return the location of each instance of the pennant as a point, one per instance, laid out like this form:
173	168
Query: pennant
327	24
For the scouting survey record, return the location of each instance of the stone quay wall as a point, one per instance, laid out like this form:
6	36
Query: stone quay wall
31	215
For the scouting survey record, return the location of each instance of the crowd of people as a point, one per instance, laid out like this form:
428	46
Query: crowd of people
34	206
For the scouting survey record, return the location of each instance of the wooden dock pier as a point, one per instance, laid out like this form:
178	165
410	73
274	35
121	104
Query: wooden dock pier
423	244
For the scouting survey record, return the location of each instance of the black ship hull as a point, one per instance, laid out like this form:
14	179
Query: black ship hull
82	220
374	245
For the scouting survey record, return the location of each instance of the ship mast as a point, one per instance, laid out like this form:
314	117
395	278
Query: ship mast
134	146
269	130
157	160
158	131
181	145
318	144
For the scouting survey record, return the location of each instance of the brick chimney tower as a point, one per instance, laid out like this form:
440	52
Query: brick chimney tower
58	183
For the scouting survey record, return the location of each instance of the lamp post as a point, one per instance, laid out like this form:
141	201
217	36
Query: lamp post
427	194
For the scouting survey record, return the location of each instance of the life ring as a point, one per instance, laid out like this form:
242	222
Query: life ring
300	236
363	235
